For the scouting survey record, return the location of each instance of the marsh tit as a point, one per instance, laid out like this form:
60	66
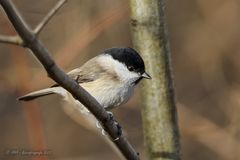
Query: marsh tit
109	77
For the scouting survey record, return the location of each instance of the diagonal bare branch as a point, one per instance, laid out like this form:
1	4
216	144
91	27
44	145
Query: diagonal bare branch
47	18
15	40
32	42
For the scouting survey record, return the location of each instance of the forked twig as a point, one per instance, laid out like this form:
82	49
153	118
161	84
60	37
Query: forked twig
47	18
32	42
15	40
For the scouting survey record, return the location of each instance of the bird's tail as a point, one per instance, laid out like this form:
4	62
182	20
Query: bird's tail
37	94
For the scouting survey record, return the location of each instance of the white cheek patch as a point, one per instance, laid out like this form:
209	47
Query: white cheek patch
124	74
118	68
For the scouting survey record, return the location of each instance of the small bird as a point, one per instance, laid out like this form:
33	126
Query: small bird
109	77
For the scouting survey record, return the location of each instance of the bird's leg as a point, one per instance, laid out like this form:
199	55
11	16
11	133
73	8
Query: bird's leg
110	114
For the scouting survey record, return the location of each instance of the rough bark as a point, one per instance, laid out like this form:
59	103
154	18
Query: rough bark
159	110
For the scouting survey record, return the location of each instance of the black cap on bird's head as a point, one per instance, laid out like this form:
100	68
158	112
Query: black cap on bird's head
130	58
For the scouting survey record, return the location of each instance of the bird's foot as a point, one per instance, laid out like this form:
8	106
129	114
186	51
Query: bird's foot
119	131
119	128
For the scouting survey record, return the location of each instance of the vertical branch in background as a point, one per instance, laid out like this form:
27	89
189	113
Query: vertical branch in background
159	109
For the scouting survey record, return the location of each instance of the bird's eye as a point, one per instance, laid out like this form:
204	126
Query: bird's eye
130	68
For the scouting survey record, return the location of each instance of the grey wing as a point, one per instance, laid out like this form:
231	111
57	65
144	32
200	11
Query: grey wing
89	72
82	76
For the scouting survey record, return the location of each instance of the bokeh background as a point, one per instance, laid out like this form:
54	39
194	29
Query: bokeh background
205	43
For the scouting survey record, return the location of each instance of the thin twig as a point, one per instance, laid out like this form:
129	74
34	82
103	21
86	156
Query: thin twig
15	40
56	73
47	18
71	49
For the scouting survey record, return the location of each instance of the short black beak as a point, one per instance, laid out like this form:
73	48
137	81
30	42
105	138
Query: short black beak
146	75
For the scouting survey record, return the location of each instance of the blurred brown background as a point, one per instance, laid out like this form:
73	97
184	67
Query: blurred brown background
204	39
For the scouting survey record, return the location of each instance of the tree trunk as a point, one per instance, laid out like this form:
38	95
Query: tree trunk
159	110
